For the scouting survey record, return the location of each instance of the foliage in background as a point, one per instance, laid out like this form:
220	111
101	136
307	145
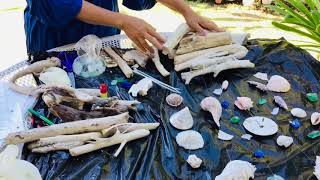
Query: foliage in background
301	18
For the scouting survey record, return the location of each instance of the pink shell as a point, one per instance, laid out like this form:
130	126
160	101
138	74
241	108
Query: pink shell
315	118
243	103
278	84
174	99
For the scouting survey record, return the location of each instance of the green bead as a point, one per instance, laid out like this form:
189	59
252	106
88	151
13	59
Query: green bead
314	134
262	101
235	120
312	97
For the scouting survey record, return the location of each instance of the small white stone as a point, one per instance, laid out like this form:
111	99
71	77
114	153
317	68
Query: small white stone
218	91
285	141
275	111
262	76
246	136
224	136
225	85
194	161
298	112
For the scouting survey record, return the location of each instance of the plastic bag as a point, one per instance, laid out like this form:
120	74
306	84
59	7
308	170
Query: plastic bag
89	63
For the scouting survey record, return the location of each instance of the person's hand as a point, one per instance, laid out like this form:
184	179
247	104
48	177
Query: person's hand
140	32
201	24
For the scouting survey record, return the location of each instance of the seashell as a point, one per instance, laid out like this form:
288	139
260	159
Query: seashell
218	91
262	76
285	141
190	139
174	99
212	105
246	136
275	177
280	101
315	118
317	168
225	85
237	169
55	76
261	126
194	161
224	136
298	112
278	84
243	103
258	85
182	119
275	111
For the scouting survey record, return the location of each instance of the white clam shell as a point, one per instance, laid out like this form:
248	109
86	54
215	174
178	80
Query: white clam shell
224	136
237	170
278	84
190	140
225	85
194	161
298	112
218	91
315	118
262	76
285	141
261	126
174	99
182	119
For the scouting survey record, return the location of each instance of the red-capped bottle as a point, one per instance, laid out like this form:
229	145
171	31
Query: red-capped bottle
103	90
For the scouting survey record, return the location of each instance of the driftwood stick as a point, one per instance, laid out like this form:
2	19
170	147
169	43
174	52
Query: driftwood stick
127	71
128	127
89	125
196	42
157	63
57	147
173	40
137	56
65	138
107	142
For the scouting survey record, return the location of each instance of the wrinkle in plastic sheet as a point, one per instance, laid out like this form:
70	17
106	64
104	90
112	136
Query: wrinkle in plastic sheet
158	155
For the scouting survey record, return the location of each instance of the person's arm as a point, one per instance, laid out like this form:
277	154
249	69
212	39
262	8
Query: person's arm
136	29
196	22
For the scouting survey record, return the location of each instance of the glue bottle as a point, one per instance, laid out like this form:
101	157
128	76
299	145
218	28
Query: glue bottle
103	90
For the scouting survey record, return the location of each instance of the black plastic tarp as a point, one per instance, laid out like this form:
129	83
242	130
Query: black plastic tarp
159	157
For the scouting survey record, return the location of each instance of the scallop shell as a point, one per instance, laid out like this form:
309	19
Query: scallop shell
174	99
190	139
224	136
182	119
285	141
315	118
278	84
262	76
194	161
243	103
280	101
225	85
237	169
298	112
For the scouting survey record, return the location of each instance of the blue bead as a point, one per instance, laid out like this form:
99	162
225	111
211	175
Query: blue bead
125	85
259	154
295	124
225	104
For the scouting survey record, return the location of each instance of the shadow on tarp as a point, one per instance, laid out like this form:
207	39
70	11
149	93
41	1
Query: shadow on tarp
158	156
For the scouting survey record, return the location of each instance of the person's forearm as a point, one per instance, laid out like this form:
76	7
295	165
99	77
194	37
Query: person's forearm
93	14
177	5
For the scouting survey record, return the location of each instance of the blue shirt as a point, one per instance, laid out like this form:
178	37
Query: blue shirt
53	23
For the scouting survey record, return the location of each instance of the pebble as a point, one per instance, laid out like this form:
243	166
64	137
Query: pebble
295	124
259	154
312	97
262	101
225	104
235	120
314	134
